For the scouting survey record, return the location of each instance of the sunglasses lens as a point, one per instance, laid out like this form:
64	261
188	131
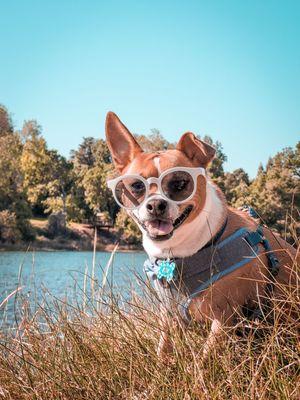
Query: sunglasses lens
130	192
178	185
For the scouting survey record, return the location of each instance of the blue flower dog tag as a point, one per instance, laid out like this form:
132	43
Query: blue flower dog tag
166	270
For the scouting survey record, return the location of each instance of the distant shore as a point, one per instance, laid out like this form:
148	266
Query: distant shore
80	237
37	247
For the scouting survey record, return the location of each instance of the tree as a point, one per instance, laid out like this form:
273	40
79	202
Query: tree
13	205
216	167
236	187
10	176
153	142
59	187
31	174
47	174
275	192
9	230
92	164
6	125
129	229
156	142
84	157
97	194
36	165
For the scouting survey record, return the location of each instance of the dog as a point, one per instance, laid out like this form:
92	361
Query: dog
182	214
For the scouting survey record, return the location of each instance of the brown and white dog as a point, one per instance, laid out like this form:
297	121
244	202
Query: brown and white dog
183	229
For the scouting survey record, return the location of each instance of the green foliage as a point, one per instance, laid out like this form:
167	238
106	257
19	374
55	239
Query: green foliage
36	179
11	178
97	194
61	204
275	192
9	231
56	224
12	195
6	125
35	164
59	185
128	228
153	142
236	187
42	169
92	164
47	174
216	169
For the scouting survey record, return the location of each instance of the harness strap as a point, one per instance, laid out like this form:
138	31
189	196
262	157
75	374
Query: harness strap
273	266
273	262
217	261
218	235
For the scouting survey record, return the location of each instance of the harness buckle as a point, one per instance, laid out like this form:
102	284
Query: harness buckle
254	238
272	259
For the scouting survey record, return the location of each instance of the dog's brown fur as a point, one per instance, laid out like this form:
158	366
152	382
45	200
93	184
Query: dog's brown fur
221	301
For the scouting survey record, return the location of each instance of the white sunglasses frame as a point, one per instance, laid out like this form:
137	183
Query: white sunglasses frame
194	172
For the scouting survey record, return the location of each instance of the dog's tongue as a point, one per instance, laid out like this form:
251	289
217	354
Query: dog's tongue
157	227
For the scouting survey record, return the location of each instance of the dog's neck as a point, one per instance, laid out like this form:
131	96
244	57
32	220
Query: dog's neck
194	235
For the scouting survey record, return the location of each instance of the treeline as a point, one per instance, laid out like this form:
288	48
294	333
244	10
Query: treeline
36	181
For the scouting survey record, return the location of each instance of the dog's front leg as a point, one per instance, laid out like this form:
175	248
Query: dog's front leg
170	326
221	319
165	346
214	336
219	326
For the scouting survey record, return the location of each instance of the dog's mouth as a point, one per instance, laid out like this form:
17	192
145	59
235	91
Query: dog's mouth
162	228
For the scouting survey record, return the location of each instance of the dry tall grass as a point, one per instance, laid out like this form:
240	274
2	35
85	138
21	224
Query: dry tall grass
105	348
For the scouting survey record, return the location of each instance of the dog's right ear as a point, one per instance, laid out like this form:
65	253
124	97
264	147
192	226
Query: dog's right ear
122	145
197	150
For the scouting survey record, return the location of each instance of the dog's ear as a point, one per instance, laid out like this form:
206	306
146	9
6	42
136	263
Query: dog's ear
122	145
195	149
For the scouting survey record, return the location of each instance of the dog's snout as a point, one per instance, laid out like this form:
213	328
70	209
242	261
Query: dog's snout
156	207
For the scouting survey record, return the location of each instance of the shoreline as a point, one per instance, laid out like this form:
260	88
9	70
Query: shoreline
78	237
32	247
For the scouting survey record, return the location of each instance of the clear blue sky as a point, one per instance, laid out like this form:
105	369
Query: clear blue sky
230	69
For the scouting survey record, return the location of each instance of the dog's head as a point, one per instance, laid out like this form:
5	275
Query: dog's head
159	216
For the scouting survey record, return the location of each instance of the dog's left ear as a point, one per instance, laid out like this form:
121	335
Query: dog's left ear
195	149
122	145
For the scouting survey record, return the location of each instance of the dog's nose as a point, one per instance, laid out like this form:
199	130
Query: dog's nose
156	207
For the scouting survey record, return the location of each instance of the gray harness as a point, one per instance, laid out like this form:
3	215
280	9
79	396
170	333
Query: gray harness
196	273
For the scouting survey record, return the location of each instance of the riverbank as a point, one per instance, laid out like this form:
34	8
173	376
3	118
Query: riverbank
78	237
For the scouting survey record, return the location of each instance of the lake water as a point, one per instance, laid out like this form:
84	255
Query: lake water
62	274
